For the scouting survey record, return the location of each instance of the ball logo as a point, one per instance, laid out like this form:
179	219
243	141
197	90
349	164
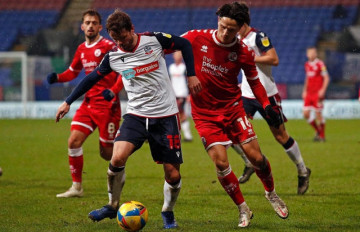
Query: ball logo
97	52
232	56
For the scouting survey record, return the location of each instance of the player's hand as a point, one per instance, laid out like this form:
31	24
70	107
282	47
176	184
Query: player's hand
52	78
108	94
62	111
273	116
194	85
321	94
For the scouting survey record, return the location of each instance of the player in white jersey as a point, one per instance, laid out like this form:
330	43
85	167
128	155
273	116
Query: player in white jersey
265	58
152	113
177	72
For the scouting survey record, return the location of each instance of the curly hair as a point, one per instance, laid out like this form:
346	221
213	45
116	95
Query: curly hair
236	11
118	21
91	12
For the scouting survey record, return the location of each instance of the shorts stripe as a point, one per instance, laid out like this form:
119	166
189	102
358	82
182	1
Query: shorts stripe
82	124
226	143
106	141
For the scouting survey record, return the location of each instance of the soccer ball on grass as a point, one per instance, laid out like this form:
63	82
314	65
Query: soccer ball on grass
132	216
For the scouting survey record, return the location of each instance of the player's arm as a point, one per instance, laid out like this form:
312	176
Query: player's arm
325	85
268	52
109	94
248	65
69	74
173	42
89	81
305	88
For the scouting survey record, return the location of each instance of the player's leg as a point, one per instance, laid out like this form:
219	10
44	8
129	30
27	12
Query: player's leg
248	169
185	123
263	171
76	163
172	186
309	104
229	182
165	145
293	151
321	120
116	180
131	137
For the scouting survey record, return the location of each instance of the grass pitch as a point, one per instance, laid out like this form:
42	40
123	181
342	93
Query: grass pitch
33	156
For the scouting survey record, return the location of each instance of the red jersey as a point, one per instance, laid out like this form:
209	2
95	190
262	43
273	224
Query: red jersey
314	71
217	66
89	57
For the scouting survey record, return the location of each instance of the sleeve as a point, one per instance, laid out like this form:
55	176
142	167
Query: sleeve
249	68
323	68
74	69
263	42
173	42
90	80
118	86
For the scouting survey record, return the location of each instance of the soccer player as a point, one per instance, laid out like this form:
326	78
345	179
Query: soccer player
152	113
315	86
94	111
177	72
265	57
218	110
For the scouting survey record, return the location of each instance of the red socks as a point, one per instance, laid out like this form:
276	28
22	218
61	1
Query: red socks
230	183
76	167
265	176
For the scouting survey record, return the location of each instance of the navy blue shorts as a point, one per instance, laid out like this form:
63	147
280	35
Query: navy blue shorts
253	105
163	135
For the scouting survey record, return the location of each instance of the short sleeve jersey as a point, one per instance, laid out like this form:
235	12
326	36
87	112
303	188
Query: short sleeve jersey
217	66
89	57
178	79
260	43
145	76
314	71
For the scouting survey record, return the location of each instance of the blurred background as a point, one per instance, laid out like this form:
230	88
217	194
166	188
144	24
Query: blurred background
41	36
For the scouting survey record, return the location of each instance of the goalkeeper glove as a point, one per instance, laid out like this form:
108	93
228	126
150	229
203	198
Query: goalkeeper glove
273	116
108	94
52	78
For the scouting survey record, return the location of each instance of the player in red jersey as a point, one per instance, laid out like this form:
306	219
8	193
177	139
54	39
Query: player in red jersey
316	82
218	110
95	111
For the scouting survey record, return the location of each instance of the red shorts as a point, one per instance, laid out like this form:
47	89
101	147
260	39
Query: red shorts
224	129
86	119
312	101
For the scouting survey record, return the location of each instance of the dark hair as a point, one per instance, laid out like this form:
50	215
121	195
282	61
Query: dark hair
236	11
91	12
118	21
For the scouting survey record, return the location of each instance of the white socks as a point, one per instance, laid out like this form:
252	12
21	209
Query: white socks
171	193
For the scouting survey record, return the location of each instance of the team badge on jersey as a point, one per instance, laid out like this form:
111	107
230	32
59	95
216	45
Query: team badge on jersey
204	48
97	52
232	56
148	50
265	41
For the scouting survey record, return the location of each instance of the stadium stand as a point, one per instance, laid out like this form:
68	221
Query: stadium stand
293	25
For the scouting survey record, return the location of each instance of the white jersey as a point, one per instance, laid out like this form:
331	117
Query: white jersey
145	78
259	43
178	79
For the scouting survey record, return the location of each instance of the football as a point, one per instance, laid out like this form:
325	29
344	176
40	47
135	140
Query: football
132	216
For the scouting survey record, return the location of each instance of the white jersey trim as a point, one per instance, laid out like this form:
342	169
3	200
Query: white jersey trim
92	45
221	44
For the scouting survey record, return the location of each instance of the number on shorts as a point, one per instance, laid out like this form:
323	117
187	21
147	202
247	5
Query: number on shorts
244	122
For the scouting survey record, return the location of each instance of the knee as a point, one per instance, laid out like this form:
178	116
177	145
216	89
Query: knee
74	142
106	153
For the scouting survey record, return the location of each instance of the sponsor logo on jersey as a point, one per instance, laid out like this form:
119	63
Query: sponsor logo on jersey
204	48
97	52
232	56
265	42
209	67
148	50
140	70
82	55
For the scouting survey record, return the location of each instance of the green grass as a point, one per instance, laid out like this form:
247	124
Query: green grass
33	155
